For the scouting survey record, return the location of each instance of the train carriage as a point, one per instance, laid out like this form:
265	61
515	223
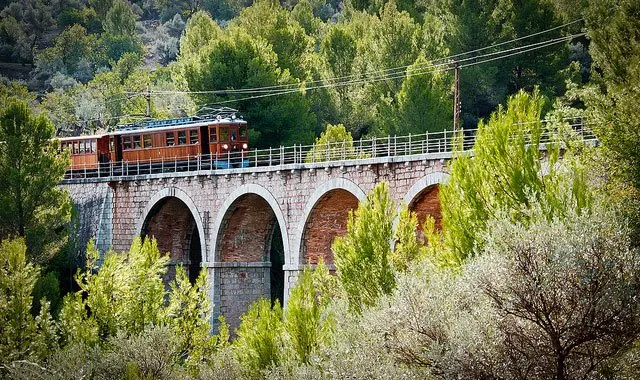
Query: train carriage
86	151
218	141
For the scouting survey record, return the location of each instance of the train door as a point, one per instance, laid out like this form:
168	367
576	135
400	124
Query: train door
204	140
103	149
115	146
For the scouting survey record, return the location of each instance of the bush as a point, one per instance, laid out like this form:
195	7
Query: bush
554	299
362	256
259	341
22	336
334	144
306	322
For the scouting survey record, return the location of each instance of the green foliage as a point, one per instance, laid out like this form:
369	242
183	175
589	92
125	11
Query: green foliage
267	20
408	249
334	144
258	344
363	255
47	288
506	175
425	102
120	31
72	54
201	30
612	101
30	171
126	295
307	325
237	60
188	315
21	335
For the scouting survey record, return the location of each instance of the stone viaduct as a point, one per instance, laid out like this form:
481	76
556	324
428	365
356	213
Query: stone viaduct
252	229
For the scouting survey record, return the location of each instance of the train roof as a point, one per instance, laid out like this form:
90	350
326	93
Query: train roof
226	117
74	138
163	125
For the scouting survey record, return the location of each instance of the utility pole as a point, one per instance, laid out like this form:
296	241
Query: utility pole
148	97
456	97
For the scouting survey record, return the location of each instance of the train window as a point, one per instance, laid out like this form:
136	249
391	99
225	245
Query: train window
213	134
146	139
126	142
224	134
136	142
82	150
94	144
171	139
182	137
243	132
75	147
193	136
112	144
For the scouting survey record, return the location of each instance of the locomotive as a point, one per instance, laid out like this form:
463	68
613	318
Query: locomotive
215	141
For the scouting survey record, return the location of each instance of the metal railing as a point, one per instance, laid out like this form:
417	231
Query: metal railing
370	148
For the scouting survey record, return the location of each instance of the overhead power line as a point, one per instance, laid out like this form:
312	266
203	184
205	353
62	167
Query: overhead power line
432	69
445	61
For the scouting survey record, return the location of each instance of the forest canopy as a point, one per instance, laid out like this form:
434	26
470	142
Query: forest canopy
290	67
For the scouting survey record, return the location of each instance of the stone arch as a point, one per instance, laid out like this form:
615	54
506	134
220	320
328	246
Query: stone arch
338	187
187	222
422	197
248	256
243	190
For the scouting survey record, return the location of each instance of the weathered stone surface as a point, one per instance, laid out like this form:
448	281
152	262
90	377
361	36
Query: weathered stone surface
234	214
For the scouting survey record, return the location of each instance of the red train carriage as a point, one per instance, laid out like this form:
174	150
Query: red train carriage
217	141
86	151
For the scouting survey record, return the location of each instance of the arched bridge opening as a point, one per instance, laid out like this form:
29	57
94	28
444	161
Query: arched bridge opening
250	256
326	221
427	203
172	224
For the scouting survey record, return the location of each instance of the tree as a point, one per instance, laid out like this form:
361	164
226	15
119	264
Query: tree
338	51
237	61
22	336
408	249
561	294
612	101
258	344
268	20
200	31
30	171
541	302
425	102
125	296
27	25
335	143
188	314
505	175
306	324
362	256
120	35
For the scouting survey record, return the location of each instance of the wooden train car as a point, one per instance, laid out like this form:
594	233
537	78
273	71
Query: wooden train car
220	141
86	151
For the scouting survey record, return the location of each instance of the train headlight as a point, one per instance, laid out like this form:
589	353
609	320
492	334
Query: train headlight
225	146
245	146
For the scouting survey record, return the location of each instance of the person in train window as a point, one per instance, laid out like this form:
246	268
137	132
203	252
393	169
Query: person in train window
233	137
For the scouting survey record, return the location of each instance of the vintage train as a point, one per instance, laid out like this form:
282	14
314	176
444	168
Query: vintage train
216	141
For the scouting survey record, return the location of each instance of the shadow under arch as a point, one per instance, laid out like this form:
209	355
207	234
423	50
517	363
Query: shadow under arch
249	251
174	220
342	189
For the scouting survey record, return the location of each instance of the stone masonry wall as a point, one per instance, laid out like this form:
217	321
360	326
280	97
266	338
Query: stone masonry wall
93	204
287	193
